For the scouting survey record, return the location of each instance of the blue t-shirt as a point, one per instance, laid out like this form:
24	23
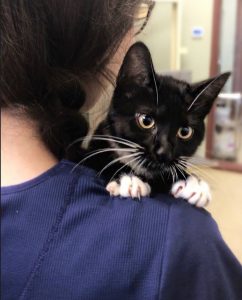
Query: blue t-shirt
64	237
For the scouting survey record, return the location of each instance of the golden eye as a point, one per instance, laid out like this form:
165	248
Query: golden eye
185	133
145	121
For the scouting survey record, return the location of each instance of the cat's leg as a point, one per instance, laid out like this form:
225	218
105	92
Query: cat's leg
195	191
129	186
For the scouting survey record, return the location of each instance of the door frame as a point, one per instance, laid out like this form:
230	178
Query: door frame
214	70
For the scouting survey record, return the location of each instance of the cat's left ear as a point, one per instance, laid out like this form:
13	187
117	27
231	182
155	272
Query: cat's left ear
137	67
204	94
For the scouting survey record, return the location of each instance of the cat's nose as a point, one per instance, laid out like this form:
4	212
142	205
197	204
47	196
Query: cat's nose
163	154
160	150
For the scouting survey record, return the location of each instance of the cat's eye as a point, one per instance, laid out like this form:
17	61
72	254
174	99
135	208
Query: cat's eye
185	133
145	121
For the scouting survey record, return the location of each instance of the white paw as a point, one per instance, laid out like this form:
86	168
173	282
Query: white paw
113	188
129	186
195	191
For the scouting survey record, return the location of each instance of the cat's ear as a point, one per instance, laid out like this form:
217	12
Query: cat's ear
137	66
204	94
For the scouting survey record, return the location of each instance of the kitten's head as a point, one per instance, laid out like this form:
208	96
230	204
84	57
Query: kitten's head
163	115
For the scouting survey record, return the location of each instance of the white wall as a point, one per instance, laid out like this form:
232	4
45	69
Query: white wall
157	36
197	52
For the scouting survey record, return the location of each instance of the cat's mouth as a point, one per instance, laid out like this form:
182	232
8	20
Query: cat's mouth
142	163
150	167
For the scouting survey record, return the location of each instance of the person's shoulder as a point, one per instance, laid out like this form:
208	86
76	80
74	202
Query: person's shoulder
194	231
191	219
196	260
70	168
179	212
182	221
77	177
179	220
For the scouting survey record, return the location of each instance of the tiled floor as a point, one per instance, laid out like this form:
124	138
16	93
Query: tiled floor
226	206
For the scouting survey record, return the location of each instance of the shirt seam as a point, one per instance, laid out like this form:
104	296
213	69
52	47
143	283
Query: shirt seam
50	238
163	251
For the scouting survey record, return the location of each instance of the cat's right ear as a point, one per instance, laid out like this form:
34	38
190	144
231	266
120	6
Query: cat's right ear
204	94
137	66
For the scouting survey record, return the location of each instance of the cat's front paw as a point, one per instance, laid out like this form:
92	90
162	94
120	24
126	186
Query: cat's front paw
129	186
195	191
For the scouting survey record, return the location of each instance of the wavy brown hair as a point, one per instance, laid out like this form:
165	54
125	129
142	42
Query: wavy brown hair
48	49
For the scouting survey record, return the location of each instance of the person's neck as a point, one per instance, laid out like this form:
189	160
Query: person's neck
23	154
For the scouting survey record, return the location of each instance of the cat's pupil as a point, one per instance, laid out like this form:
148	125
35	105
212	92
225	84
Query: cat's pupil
185	131
147	120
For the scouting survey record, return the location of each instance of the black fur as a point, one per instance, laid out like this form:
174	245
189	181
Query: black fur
135	93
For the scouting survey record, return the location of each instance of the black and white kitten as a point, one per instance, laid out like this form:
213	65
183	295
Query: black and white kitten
154	124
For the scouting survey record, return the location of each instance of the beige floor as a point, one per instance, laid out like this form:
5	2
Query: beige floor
226	206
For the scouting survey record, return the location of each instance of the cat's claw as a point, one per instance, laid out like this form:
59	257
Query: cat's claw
195	191
129	186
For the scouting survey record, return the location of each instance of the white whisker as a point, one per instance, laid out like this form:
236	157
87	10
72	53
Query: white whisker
141	164
107	138
125	165
120	139
96	152
174	172
170	171
117	160
176	175
182	169
198	160
135	166
195	168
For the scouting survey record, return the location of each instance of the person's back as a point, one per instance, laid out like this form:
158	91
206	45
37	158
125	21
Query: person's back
64	237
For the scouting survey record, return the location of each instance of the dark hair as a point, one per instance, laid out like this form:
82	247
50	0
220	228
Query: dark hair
48	49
